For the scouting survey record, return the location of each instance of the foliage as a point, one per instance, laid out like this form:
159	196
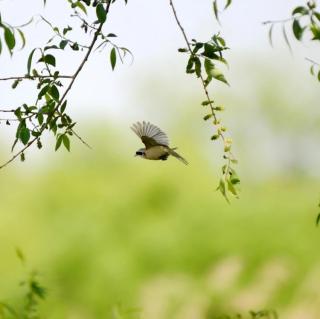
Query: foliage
34	293
49	111
202	60
304	23
262	314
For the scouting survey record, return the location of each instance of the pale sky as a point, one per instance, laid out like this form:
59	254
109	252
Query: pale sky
148	29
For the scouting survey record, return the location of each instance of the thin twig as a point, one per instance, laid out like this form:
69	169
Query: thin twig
32	77
62	36
192	54
312	61
81	139
278	21
7	111
95	37
18	154
230	155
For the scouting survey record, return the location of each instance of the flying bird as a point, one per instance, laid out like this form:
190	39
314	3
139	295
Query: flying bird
156	143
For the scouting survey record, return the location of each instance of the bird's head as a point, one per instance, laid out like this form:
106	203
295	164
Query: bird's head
141	152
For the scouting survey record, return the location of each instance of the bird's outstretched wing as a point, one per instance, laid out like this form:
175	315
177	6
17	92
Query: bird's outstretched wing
150	134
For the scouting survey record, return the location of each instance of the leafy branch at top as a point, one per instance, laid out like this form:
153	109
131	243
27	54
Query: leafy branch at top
202	61
48	112
304	20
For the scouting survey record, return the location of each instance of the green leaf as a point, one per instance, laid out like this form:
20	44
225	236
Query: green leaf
23	39
63	106
197	47
37	289
284	32
48	59
213	72
9	38
197	63
222	188
43	91
40	118
227	4
75	46
207	117
297	29
30	61
231	188
101	13
66	30
20	255
318	220
221	41
50	47
215	137
319	76
54	92
207	102
270	35
15	83
312	69
63	44
315	31
58	142
24	135
66	142
81	6
317	15
300	10
113	58
215	10
209	51
190	64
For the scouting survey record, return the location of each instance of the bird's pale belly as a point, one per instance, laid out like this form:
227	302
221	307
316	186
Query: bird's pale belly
155	152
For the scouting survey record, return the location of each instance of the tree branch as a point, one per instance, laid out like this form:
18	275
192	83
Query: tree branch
227	171
278	21
44	126
192	54
32	77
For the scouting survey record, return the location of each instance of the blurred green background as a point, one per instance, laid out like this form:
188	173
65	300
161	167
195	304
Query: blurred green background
104	228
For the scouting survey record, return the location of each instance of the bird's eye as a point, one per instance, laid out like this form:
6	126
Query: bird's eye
139	153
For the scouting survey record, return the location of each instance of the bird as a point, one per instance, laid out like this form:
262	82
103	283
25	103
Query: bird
156	143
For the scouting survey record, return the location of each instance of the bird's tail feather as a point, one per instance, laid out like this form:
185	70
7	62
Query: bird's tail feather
176	155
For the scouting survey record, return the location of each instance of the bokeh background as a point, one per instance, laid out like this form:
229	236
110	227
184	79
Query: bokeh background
107	231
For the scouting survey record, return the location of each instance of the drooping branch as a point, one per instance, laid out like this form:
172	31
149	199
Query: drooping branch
230	179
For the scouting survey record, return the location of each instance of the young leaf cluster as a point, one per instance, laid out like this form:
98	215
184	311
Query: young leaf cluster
204	61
